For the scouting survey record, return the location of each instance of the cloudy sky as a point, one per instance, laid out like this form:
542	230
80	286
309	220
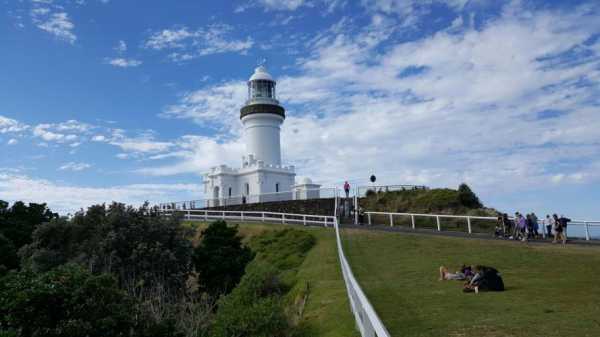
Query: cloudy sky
106	100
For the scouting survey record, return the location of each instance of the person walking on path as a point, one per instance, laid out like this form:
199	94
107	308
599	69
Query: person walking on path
564	222
558	230
347	189
549	222
535	221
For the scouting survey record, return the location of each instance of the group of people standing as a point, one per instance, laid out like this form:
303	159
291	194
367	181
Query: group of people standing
526	227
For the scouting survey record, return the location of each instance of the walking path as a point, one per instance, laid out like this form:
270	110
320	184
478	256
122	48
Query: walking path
485	236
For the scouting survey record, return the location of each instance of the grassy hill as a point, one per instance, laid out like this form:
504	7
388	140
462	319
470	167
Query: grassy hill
551	290
326	312
438	200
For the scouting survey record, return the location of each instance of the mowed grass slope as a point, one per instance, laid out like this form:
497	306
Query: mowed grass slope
327	310
550	290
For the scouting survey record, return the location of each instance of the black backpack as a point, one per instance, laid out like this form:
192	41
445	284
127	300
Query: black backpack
491	280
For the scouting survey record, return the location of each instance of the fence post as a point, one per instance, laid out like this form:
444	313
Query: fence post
356	206
223	215
412	220
283	218
206	216
369	217
437	219
304	220
189	216
263	216
242	215
469	223
391	220
587	231
335	202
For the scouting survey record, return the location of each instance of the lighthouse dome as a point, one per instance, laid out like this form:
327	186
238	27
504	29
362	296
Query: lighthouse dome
261	73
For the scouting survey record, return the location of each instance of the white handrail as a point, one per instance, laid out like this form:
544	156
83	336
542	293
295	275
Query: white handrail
586	223
368	322
205	215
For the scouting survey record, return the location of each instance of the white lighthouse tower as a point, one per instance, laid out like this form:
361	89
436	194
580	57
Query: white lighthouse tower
262	176
262	117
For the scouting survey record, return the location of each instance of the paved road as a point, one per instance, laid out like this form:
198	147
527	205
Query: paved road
408	230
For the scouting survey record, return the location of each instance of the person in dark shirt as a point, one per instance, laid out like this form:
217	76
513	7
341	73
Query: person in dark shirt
564	222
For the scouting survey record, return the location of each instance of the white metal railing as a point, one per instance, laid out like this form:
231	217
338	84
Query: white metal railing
320	193
585	225
368	322
273	217
436	216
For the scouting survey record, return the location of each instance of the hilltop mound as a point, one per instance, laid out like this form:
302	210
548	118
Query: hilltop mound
438	200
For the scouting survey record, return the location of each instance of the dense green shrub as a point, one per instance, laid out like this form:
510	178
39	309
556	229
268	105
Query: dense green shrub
467	198
67	301
220	258
140	248
17	223
8	255
254	308
258	306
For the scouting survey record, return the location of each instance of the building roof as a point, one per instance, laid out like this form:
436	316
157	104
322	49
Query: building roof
261	73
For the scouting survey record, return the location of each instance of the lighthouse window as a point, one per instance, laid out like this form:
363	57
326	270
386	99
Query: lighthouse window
277	187
262	89
230	192
247	189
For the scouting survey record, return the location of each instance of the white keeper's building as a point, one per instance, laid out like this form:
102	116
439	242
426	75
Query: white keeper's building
261	177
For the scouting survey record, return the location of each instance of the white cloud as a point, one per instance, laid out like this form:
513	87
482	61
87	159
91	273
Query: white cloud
446	108
73	166
218	105
55	23
186	44
69	198
197	154
9	125
124	62
70	131
12	141
282	4
121	47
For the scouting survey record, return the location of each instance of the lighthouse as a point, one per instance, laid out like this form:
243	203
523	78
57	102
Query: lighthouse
262	176
262	117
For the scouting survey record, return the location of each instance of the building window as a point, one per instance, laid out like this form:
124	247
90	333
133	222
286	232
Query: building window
277	187
230	192
247	189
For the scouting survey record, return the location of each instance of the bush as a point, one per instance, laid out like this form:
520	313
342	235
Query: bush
8	255
220	258
467	198
67	301
17	223
141	249
258	305
254	308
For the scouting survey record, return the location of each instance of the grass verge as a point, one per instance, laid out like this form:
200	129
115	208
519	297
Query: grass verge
326	312
550	290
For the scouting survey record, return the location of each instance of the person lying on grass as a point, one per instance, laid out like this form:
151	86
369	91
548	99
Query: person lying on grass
485	279
465	273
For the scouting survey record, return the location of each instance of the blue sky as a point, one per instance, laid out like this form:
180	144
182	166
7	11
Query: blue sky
106	100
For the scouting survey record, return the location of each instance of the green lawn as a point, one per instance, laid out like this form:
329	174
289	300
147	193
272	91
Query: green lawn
327	311
550	290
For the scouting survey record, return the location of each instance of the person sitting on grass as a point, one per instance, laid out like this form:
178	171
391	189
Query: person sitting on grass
465	273
485	279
